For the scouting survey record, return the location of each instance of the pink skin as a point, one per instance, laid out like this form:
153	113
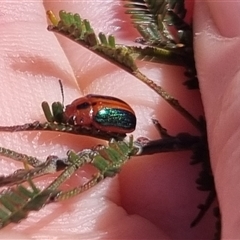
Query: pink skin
153	197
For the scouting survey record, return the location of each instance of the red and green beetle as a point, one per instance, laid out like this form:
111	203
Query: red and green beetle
104	113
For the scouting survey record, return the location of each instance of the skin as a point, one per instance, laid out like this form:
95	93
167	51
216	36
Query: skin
154	197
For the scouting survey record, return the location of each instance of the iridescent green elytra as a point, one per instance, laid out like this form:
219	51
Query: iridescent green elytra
116	117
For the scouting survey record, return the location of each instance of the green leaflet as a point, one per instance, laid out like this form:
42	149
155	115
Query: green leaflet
18	201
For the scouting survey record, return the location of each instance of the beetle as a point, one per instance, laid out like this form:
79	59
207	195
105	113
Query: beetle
104	113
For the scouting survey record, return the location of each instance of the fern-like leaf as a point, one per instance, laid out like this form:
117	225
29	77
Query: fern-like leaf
161	24
108	160
80	31
16	202
155	20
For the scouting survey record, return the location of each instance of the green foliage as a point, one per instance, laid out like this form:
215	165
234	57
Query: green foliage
161	25
73	27
18	201
108	160
154	19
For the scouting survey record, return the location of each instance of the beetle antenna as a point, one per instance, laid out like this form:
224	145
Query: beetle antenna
61	87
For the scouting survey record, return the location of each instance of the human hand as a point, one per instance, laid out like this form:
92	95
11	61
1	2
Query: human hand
153	197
